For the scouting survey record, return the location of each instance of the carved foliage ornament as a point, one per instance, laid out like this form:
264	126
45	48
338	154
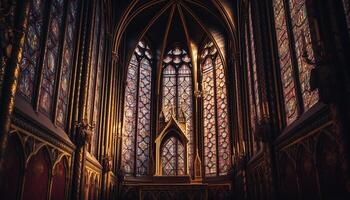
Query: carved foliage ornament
83	132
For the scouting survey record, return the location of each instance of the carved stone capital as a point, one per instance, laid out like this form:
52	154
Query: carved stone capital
83	133
107	163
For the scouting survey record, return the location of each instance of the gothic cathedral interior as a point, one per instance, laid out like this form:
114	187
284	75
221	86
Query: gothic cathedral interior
174	99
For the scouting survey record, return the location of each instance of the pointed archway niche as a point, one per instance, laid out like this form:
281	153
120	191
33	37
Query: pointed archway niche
174	130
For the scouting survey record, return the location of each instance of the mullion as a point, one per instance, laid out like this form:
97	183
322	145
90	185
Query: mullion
137	111
216	114
251	86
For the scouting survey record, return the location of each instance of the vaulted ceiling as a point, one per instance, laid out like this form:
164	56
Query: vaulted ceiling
163	23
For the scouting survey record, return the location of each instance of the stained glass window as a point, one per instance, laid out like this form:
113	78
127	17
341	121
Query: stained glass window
144	116
95	73
217	154
31	50
177	92
128	147
290	99
67	62
169	90
93	65
50	63
300	33
253	85
137	113
98	87
173	157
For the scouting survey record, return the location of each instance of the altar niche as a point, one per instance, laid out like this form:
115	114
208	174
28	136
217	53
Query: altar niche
172	151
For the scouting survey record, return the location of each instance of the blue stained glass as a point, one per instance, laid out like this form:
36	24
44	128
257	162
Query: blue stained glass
67	62
31	50
137	113
51	57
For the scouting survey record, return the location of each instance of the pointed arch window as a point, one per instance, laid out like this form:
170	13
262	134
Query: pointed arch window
293	37
217	153
177	92
137	113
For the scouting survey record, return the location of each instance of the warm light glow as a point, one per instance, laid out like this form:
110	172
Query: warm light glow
194	50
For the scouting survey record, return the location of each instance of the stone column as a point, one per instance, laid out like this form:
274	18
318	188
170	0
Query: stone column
8	91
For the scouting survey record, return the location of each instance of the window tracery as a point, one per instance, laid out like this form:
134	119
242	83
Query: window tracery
173	157
177	91
51	61
67	62
292	46
137	112
217	154
31	50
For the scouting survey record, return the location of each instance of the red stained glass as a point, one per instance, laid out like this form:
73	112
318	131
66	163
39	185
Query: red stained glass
222	119
255	83
210	157
302	41
285	62
217	153
301	31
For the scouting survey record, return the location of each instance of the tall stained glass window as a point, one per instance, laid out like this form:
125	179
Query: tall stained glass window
67	62
93	65
137	112
95	76
98	87
217	154
292	46
31	50
51	56
253	85
177	92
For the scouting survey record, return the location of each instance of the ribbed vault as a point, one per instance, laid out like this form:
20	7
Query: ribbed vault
164	23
